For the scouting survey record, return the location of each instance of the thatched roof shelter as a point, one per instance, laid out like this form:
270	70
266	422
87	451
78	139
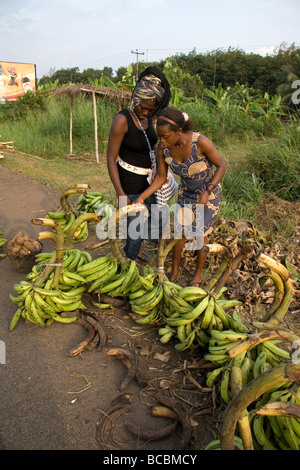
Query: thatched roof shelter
121	97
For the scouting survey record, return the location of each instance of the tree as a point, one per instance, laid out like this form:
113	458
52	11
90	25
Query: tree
67	75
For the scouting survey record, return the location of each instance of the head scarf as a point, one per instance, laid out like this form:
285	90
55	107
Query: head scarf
147	88
152	84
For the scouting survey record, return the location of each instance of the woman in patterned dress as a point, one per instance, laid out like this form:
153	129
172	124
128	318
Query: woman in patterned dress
194	158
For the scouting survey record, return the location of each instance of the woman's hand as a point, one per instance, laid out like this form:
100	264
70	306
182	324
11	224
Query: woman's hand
203	198
123	201
138	200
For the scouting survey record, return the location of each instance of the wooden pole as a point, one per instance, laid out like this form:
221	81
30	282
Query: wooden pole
96	126
71	125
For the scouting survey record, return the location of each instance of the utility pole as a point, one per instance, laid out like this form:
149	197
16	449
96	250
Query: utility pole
137	61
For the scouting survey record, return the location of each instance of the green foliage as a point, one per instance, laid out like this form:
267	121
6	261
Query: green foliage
47	85
276	163
262	73
47	132
24	105
242	191
128	80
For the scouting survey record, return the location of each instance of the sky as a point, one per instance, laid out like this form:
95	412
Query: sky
56	34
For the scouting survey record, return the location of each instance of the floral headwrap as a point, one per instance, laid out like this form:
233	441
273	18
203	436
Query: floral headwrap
147	88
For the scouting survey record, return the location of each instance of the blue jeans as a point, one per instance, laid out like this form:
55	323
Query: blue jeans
150	230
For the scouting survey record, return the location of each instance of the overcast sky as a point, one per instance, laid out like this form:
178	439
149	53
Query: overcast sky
57	34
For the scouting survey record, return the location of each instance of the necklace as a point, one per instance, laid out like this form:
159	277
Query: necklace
151	151
138	121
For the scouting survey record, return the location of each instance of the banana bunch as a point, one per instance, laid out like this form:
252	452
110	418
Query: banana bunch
284	288
66	220
219	343
267	355
166	333
3	241
41	305
195	313
99	271
73	259
271	432
252	362
145	301
123	282
91	201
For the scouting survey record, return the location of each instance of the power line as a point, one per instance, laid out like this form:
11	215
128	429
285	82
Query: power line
105	58
137	61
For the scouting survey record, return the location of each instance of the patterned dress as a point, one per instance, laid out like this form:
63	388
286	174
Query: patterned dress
196	172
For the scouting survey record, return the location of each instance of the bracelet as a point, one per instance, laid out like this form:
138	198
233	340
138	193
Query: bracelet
210	190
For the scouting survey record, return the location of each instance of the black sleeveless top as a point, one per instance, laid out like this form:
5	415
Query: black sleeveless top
134	150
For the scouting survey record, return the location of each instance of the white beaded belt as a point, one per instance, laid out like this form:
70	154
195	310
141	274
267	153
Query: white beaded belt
134	169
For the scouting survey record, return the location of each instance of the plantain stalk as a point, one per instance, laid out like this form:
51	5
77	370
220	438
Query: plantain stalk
242	255
48	269
80	186
116	252
161	259
163	250
59	266
168	247
64	199
279	294
257	338
215	248
267	326
223	265
75	226
256	387
243	421
280	408
58	239
278	315
274	265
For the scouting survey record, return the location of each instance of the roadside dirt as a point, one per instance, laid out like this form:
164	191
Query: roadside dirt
50	401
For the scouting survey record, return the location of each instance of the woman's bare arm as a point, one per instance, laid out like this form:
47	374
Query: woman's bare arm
206	147
117	131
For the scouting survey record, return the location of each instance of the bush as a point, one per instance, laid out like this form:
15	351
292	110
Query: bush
29	103
242	191
276	163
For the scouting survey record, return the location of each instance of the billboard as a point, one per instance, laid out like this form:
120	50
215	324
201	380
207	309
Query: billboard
16	79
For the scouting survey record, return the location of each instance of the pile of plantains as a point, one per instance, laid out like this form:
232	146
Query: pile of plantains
252	364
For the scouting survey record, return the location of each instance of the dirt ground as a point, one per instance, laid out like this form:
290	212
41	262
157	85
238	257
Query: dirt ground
50	401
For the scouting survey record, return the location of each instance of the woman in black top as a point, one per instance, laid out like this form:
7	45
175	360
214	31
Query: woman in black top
128	156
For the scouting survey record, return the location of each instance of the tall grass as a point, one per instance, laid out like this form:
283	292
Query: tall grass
242	191
276	163
46	132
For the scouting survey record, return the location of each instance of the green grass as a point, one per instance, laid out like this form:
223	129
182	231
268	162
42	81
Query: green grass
47	132
276	163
